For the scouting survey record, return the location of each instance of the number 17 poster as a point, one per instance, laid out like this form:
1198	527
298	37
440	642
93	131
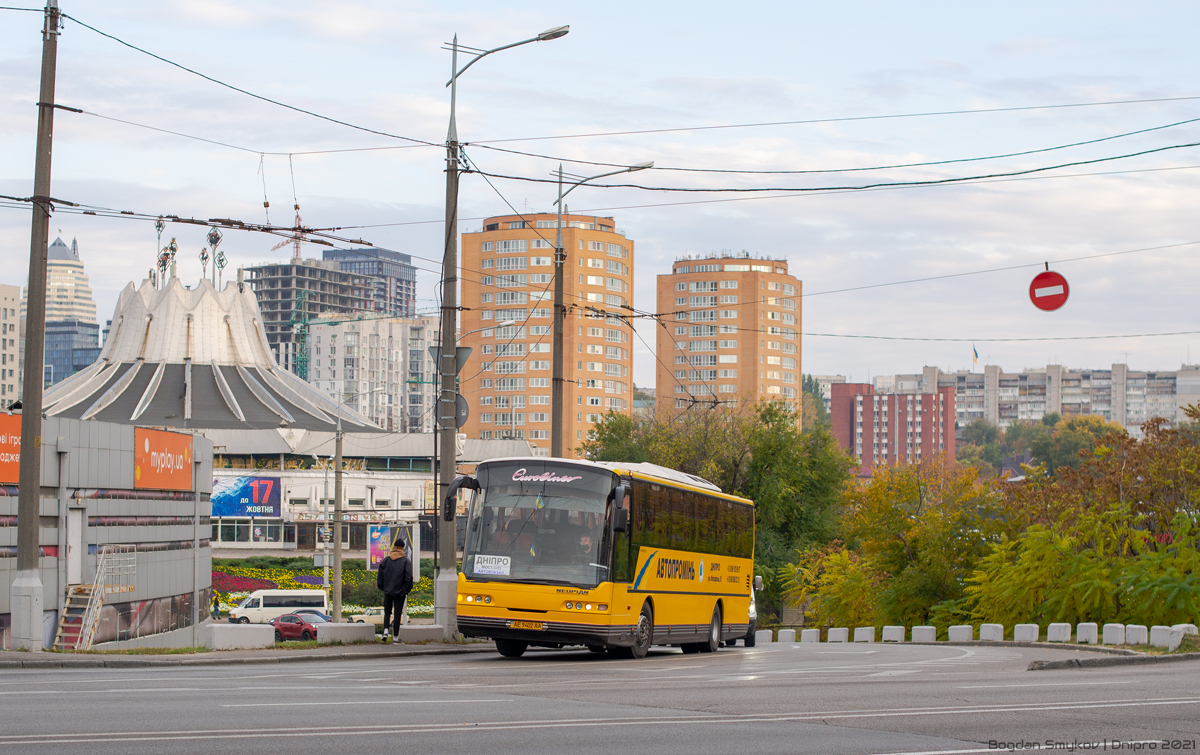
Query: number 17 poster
246	496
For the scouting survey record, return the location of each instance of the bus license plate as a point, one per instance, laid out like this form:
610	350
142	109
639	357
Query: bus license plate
527	625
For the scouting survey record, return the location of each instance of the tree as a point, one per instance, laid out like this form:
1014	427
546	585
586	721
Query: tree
1068	437
616	437
813	402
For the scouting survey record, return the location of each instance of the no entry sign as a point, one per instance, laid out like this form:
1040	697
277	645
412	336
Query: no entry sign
1049	291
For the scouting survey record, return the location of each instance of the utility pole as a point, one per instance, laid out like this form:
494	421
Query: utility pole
337	517
26	591
560	315
446	584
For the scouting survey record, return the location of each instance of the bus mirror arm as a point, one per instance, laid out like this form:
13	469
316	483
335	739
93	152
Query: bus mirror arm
758	582
449	507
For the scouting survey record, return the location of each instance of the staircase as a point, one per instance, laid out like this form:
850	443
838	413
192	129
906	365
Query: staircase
115	571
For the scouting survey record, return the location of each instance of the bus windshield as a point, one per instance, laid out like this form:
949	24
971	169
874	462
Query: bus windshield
540	521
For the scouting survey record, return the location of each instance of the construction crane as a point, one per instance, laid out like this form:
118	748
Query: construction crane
299	325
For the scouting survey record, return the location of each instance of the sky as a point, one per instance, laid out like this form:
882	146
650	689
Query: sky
832	78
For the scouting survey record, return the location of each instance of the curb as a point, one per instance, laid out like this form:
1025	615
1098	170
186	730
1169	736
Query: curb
143	662
1040	645
1138	660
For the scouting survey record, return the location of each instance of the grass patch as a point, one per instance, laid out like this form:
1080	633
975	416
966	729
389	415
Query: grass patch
1190	644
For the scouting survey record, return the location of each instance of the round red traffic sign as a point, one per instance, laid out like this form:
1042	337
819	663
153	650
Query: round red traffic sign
1049	291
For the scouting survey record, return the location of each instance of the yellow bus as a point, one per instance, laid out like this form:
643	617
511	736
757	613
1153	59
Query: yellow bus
616	557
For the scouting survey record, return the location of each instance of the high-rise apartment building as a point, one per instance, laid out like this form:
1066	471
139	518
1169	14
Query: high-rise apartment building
730	330
72	332
1118	394
394	279
327	290
380	368
890	429
11	336
507	319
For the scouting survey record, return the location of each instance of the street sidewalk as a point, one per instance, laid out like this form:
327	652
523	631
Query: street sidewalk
367	651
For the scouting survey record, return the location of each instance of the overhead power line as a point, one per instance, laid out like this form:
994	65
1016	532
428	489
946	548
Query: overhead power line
843	119
818	171
860	187
993	340
247	92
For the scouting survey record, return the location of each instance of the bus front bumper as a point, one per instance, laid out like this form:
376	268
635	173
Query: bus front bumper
552	633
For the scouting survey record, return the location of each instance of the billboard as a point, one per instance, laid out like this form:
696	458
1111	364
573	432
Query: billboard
10	448
382	536
246	496
162	460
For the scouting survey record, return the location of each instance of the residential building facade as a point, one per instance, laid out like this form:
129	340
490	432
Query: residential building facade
893	428
380	368
327	290
394	279
11	338
507	319
1118	394
730	331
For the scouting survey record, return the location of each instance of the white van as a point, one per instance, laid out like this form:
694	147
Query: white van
263	605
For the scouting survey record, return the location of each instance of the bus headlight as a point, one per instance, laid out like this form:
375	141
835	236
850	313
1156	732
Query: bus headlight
588	607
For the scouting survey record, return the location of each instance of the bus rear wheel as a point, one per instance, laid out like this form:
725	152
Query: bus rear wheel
713	643
511	648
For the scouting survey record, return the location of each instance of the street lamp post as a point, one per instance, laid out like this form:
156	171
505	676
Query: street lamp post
445	587
560	310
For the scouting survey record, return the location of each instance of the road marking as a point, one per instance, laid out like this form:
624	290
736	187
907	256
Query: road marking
1050	684
897	672
393	729
357	702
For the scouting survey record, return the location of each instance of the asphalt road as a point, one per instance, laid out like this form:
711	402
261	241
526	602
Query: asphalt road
771	699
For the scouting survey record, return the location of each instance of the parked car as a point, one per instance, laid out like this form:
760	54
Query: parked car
261	606
295	626
369	616
314	612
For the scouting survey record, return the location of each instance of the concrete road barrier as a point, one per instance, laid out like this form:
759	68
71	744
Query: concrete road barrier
1086	633
345	633
962	633
991	632
787	635
421	633
1160	636
810	635
864	634
239	636
1114	634
893	634
1187	628
1174	638
1027	632
924	634
840	634
1058	632
1137	634
763	635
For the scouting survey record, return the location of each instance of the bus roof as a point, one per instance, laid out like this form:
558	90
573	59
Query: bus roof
643	469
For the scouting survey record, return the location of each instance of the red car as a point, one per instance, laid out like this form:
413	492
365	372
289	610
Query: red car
295	626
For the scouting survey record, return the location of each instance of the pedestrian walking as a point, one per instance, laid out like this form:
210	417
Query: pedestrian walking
216	607
394	578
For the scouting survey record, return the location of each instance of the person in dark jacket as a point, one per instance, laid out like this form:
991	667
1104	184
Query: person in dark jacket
394	578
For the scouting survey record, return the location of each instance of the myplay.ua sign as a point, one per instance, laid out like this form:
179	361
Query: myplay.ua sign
163	460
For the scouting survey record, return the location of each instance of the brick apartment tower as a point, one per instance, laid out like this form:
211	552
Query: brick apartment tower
508	277
892	428
730	329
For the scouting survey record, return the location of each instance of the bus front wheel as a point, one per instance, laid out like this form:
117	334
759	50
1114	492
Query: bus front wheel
511	648
643	634
713	643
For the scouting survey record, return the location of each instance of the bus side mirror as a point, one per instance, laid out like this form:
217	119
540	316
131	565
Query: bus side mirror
449	504
621	520
757	582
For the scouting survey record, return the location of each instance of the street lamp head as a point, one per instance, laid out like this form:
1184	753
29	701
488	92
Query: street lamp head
641	166
555	33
